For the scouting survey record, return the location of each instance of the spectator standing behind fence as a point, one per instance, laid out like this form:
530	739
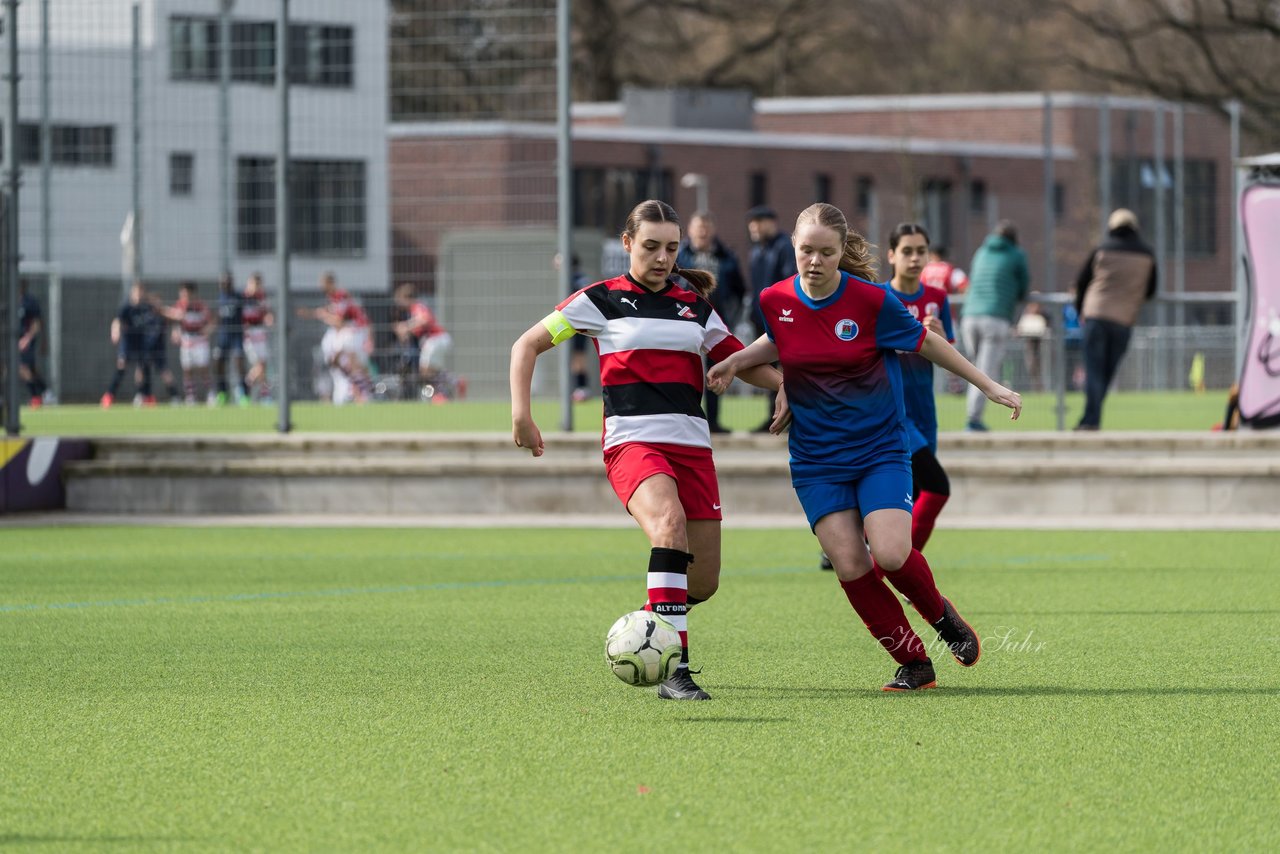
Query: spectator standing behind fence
195	322
30	325
1118	278
998	280
258	319
701	249
772	260
127	329
228	342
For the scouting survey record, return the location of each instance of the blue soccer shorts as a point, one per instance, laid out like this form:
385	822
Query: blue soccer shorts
883	485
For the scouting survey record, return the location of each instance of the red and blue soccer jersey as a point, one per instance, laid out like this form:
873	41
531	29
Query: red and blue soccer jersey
917	371
843	382
651	347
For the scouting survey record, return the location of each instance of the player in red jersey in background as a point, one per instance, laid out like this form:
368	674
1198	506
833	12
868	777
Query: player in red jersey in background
428	343
942	274
195	322
346	345
257	319
651	335
837	335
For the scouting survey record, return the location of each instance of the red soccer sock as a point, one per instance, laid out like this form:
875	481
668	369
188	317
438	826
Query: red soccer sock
884	618
668	583
915	581
924	515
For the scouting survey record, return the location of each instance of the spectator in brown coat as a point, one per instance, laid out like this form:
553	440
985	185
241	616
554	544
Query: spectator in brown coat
1118	278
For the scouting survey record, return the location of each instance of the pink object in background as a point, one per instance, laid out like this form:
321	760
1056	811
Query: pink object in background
1260	373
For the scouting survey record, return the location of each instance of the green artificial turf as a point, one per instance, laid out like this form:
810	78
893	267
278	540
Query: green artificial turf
1123	411
431	690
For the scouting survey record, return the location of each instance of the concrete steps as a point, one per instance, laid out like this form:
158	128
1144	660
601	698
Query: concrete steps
1016	475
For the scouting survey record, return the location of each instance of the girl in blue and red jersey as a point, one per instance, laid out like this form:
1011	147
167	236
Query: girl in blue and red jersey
908	255
651	335
836	334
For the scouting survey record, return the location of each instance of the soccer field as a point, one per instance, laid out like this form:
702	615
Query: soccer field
1124	411
371	689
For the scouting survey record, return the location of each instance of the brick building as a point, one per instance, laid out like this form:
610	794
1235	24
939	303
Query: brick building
955	162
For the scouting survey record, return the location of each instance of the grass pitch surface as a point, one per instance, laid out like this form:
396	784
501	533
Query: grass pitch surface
1123	411
215	689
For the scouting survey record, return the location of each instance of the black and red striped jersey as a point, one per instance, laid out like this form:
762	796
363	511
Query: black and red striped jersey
651	346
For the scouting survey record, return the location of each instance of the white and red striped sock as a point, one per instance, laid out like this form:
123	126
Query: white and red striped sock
668	584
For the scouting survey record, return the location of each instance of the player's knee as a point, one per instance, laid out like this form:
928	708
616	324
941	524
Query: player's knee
892	556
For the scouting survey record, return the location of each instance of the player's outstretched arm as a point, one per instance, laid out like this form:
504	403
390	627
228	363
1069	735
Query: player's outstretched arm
762	351
936	349
524	353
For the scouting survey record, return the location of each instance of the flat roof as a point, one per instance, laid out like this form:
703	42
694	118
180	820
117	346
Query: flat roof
728	139
912	103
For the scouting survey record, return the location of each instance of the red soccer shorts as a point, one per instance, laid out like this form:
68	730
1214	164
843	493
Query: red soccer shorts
693	470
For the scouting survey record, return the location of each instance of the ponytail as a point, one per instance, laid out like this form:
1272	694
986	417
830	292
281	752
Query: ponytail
703	282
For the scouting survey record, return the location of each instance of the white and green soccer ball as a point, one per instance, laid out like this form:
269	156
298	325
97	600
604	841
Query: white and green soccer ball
642	648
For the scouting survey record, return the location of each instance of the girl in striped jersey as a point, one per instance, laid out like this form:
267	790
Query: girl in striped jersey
837	334
651	335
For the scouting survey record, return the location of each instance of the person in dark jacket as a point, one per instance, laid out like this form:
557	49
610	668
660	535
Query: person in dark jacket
1118	278
772	259
703	250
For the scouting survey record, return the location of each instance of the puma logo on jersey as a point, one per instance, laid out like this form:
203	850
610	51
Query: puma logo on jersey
629	302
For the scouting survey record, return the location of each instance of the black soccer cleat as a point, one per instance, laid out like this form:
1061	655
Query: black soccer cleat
682	687
958	635
915	676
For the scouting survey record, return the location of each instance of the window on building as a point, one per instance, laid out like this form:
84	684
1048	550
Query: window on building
255	205
253	52
1133	186
977	196
935	209
864	194
69	145
602	198
822	187
182	173
193	48
758	189
328	208
321	55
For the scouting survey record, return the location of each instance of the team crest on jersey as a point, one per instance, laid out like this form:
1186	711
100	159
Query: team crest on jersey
846	330
685	311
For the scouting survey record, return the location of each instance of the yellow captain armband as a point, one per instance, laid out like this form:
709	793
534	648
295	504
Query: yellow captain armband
559	327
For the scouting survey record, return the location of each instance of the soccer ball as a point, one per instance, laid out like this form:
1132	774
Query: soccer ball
642	648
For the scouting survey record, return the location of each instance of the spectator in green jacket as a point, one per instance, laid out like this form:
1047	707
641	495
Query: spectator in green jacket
998	281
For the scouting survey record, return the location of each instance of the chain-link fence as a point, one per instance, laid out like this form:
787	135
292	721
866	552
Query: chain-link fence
422	210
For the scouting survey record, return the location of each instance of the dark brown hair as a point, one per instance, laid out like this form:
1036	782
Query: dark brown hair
902	229
859	256
653	210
